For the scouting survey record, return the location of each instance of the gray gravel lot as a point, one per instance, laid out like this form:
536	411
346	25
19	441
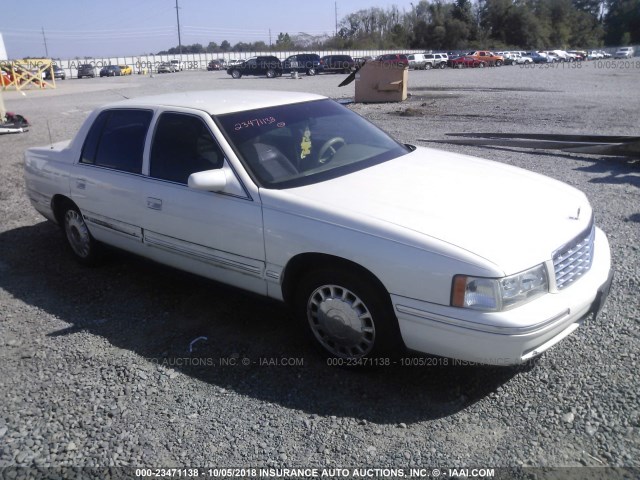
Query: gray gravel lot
95	368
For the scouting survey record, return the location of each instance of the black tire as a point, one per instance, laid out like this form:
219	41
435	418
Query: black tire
427	66
271	73
443	65
81	243
347	315
481	65
311	72
498	63
236	74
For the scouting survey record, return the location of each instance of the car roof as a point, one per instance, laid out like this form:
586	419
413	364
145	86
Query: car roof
219	102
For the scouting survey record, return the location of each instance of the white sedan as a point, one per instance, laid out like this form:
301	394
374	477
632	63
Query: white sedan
375	245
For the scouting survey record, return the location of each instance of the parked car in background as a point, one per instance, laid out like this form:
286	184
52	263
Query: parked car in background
624	52
359	61
594	55
177	65
435	60
165	67
58	73
564	56
366	239
86	70
110	71
393	59
519	58
125	70
606	54
579	54
337	64
308	63
416	61
487	58
214	65
509	57
553	58
538	57
465	62
267	65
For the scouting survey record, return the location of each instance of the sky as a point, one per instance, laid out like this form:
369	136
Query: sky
109	28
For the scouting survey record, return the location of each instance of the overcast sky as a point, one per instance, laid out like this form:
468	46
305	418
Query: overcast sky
103	28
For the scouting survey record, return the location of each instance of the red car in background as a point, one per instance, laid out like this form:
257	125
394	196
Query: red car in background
394	59
465	62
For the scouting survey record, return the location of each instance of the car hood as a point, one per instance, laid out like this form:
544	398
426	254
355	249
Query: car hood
510	217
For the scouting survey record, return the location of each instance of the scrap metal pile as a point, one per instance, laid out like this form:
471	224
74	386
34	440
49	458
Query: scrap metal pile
616	145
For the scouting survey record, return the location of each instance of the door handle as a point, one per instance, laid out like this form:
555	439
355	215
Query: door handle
81	183
154	203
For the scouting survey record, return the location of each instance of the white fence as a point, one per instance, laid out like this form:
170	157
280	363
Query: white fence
198	61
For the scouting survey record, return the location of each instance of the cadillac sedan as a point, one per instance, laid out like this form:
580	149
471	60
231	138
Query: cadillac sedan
374	244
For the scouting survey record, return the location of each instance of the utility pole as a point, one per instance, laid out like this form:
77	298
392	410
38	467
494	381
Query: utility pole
336	15
179	39
46	50
269	38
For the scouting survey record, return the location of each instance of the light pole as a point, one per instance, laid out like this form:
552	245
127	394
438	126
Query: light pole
179	39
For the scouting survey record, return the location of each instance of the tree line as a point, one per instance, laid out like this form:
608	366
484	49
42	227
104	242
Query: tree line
494	24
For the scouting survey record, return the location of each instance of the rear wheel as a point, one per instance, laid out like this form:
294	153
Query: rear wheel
443	65
311	72
271	73
481	65
236	74
427	66
82	244
498	63
347	315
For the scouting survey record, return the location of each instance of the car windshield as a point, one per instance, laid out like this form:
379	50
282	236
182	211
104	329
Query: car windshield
292	145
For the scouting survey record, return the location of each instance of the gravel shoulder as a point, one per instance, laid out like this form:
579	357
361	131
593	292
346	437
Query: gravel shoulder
98	367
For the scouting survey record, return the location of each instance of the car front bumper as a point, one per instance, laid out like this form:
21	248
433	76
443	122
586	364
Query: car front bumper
511	337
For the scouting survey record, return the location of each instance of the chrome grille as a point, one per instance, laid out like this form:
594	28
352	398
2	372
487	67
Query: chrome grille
574	259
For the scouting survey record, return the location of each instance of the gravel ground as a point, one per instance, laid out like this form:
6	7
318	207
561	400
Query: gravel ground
96	367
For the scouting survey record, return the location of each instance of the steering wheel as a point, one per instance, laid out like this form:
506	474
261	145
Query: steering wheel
329	149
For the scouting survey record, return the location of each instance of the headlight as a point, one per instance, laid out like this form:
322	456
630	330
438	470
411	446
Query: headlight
496	294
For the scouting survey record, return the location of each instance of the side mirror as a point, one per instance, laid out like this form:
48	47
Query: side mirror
209	180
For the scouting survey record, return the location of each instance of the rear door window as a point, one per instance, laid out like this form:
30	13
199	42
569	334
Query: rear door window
116	140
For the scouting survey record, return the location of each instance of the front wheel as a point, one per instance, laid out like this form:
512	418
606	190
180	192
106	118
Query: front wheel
82	244
427	66
271	73
347	315
311	72
498	63
236	74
